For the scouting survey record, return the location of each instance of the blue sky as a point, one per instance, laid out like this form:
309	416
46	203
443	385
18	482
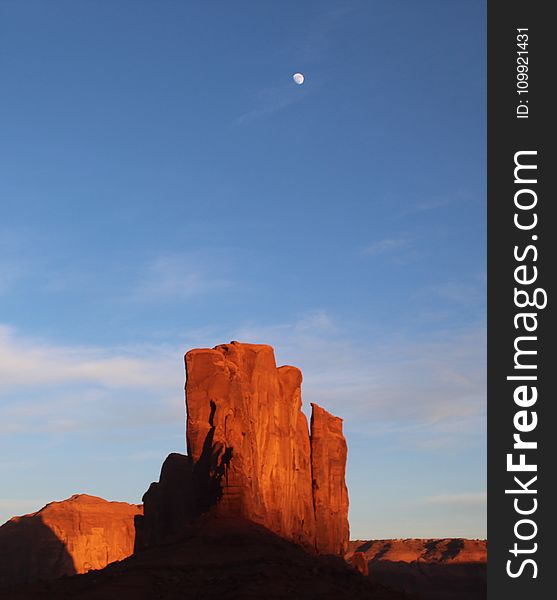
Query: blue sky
165	185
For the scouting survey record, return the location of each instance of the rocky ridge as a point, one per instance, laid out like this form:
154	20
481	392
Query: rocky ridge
436	569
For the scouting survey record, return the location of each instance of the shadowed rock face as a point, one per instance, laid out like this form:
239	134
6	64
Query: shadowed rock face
170	505
65	538
251	453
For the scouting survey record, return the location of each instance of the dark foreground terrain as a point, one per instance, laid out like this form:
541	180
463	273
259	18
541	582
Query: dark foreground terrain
221	560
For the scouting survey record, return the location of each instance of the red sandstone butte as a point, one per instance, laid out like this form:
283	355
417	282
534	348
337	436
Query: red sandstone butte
245	421
250	454
64	538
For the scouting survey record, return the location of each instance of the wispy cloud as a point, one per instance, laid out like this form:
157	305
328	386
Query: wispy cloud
14	266
271	100
436	202
10	273
28	362
320	32
465	291
386	245
49	387
431	204
417	390
310	50
461	499
399	250
425	392
177	277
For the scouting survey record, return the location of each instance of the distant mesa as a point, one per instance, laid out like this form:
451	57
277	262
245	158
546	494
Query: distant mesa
436	569
66	538
441	551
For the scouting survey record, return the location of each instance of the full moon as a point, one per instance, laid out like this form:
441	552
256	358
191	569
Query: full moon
298	78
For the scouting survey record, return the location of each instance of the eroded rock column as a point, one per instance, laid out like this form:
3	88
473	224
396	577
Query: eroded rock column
250	455
330	494
246	431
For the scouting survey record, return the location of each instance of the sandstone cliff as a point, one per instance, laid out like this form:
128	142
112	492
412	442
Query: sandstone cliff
64	538
251	455
330	495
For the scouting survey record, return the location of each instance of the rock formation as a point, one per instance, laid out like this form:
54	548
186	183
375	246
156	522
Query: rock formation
251	456
64	538
330	495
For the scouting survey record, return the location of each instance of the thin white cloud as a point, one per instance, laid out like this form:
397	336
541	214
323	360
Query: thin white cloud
462	499
320	33
425	391
180	276
315	321
10	273
15	261
386	245
273	99
28	362
462	292
436	202
431	204
49	387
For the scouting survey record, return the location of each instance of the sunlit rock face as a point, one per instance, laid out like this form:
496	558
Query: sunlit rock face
415	550
64	538
245	427
330	495
251	452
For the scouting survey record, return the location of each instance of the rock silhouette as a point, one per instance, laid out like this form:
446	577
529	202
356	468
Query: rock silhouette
251	455
170	505
64	538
